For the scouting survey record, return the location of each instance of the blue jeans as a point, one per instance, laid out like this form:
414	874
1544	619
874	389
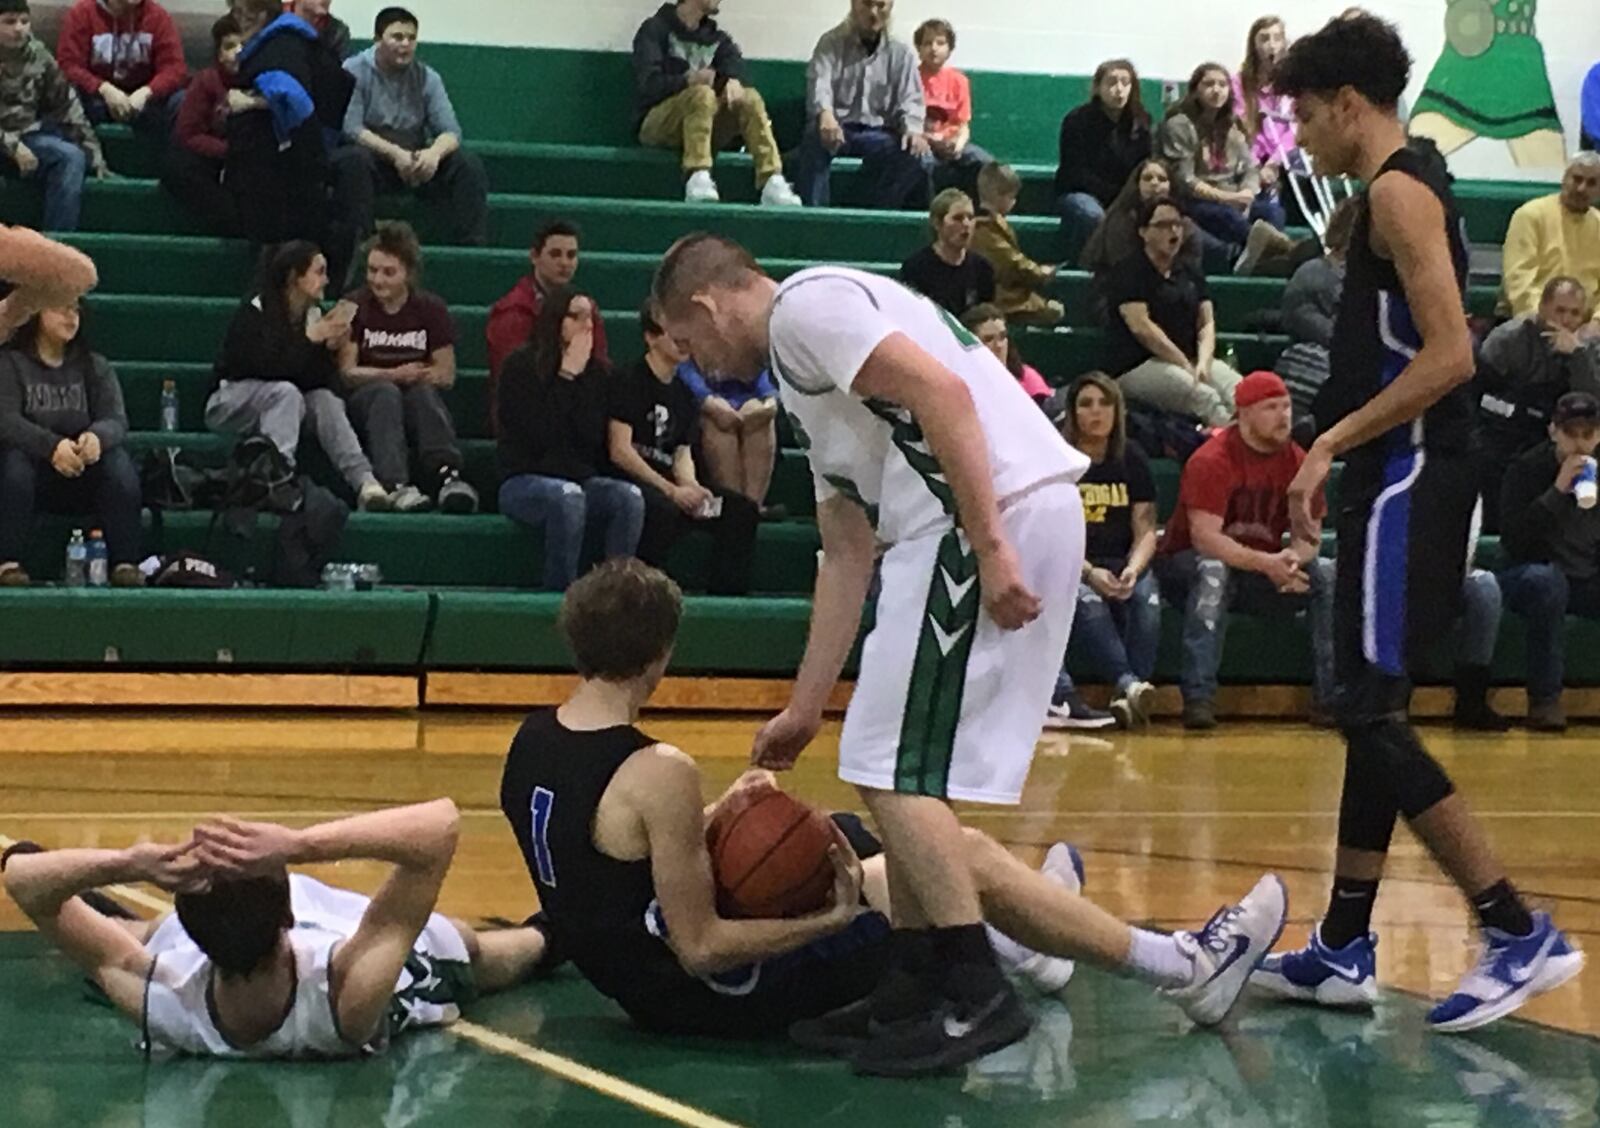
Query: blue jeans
569	511
62	165
1208	590
1480	619
109	490
1544	596
1081	213
1120	638
891	177
1231	226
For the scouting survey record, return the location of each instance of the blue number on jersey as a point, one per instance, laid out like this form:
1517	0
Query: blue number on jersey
544	801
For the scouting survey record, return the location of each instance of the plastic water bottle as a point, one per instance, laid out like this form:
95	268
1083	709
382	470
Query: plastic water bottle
77	573
1585	489
99	563
169	405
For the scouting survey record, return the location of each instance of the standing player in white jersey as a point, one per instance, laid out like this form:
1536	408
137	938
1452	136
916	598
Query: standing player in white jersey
921	442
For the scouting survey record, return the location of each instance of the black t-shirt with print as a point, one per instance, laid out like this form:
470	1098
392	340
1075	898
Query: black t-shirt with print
664	416
1110	490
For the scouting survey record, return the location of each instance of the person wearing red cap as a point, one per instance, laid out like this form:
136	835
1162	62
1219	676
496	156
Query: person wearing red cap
1223	548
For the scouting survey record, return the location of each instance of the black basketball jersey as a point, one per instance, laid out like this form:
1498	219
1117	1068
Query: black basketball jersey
1375	338
601	908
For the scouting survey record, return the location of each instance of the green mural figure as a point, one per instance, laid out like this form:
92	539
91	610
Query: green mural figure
1491	81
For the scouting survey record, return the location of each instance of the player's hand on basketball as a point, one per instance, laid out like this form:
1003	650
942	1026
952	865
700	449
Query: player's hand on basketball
781	740
1304	523
1005	596
177	869
245	849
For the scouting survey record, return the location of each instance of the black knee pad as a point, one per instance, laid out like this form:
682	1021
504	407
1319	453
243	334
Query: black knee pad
862	840
1419	781
1366	805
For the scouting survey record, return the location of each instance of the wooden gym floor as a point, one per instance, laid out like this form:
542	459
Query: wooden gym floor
1171	825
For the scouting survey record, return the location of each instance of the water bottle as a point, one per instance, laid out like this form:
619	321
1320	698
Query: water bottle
1585	490
99	564
169	405
77	573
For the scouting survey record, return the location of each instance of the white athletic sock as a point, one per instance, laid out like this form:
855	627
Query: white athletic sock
1156	958
1007	951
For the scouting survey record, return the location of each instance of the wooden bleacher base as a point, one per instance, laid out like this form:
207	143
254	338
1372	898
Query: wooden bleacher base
522	691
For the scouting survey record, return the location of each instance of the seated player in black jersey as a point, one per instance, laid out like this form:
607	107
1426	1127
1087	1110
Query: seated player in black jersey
612	826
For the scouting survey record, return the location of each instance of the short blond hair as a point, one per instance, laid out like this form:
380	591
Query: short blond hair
942	205
996	178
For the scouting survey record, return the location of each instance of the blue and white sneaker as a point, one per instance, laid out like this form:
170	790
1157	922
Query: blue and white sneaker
1330	977
1228	948
1512	970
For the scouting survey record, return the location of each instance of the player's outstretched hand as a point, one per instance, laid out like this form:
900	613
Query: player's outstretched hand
237	848
781	740
1304	524
1005	596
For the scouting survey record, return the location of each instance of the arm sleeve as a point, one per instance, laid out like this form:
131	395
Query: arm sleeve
166	54
729	60
73	46
1178	145
819	78
507	330
195	117
105	404
1244	163
514	402
650	76
355	114
1520	259
16	429
1583	371
1068	153
1529	508
1141	484
1496	359
441	115
911	103
985	286
822	332
1589	102
1206	484
1305	317
963	111
692	378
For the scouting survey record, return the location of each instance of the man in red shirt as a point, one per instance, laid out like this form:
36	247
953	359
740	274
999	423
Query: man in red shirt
554	258
948	95
1223	548
126	59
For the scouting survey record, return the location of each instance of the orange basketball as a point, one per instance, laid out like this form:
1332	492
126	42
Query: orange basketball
770	857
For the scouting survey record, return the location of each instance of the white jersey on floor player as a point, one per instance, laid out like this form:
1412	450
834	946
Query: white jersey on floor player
946	703
825	323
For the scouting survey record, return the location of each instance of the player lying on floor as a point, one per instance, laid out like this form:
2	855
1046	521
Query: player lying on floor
612	825
258	962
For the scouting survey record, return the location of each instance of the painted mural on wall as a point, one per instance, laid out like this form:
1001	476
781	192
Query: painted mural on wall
1491	82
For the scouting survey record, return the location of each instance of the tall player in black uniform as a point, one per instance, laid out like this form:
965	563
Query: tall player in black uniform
1396	408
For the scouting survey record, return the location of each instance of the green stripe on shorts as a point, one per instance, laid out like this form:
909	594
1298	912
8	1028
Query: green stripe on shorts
939	672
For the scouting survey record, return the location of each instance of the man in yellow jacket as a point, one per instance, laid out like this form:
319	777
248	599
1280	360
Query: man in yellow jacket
1555	235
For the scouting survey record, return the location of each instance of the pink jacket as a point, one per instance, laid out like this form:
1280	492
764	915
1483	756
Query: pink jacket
1276	137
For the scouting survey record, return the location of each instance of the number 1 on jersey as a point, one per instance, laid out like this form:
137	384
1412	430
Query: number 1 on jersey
544	801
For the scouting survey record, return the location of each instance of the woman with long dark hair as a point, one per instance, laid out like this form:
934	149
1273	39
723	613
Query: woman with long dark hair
1204	143
279	368
551	411
1267	116
1118	622
62	426
1117	237
1102	141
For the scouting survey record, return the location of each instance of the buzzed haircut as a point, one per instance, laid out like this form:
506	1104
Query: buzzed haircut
237	922
1562	283
620	619
1588	160
996	177
698	262
553	228
929	28
391	16
1362	52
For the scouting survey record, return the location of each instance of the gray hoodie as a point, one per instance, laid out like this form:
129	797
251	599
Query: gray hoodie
40	405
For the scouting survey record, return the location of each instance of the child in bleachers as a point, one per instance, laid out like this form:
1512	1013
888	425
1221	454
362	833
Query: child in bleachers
42	124
1019	281
948	94
738	430
126	59
199	151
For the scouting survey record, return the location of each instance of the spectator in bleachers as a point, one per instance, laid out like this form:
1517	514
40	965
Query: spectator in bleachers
1162	337
738	432
1267	116
126	59
1310	303
1203	142
946	270
988	324
1552	544
192	170
1555	235
279	367
62	432
690	93
401	134
1118	621
334	32
654	424
1117	236
554	261
1102	142
552	405
42	124
292	92
947	98
1525	366
1019	281
399	359
864	99
1223	547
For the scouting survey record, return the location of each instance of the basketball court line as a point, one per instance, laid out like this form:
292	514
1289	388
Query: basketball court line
564	1068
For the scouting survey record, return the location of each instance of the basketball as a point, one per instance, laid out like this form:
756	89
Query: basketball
769	856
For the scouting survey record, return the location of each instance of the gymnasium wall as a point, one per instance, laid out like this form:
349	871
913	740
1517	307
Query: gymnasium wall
1165	38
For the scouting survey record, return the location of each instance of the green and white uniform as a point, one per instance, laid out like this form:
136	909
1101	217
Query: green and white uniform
946	703
436	980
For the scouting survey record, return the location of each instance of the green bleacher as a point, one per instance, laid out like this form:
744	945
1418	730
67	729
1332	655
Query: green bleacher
458	588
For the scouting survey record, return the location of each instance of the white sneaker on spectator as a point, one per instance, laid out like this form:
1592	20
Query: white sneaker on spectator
409	499
700	188
372	498
1132	707
778	193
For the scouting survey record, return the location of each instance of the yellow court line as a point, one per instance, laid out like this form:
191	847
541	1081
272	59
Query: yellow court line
566	1069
